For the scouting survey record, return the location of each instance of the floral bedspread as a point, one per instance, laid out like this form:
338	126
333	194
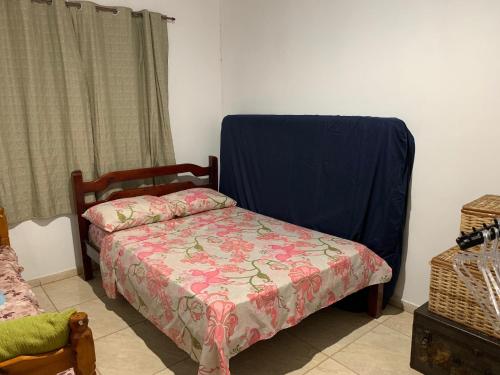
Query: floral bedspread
97	235
19	298
219	281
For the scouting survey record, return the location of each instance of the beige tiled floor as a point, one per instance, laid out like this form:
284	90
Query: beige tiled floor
331	341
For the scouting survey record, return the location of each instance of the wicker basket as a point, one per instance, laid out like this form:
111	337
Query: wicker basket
450	298
482	210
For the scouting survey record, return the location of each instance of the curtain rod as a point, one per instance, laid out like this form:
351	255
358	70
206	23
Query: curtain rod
103	9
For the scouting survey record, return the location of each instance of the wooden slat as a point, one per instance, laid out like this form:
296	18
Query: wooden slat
141	174
43	364
4	228
147	190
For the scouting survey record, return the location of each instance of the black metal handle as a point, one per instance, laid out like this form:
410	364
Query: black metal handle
426	340
466	241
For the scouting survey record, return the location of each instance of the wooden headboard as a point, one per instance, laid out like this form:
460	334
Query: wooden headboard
81	188
4	229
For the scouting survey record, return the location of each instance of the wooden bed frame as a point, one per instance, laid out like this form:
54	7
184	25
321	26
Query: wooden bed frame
79	353
81	188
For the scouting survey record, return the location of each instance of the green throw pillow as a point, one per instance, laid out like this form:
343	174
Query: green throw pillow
34	334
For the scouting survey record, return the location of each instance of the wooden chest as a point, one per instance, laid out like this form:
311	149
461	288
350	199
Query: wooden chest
449	297
441	346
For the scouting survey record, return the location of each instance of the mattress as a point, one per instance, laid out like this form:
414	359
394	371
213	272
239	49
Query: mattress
348	176
219	281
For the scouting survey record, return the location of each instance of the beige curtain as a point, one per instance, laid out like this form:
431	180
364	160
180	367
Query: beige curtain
79	89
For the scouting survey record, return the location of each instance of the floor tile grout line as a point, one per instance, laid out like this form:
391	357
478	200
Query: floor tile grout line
356	339
306	342
347	345
334	360
388	326
163	369
50	299
111	333
87	282
121	329
308	371
56	281
86	301
378	324
96	296
173	364
130	326
347	367
79	303
395	330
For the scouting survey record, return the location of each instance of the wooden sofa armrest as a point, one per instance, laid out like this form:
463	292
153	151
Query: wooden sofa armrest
79	353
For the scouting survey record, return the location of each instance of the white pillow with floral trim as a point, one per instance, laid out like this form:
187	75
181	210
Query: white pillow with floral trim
195	200
129	212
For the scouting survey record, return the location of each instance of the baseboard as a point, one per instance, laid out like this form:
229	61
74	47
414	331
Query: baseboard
54	277
402	304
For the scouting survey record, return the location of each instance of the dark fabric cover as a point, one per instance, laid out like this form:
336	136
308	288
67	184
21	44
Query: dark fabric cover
345	176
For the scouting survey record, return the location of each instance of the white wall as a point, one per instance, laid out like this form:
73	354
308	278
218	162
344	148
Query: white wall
434	64
46	247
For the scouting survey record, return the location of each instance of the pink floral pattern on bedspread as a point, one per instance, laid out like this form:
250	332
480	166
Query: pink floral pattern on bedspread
19	298
221	280
97	235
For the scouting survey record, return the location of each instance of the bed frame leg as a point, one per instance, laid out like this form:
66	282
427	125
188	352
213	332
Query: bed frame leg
88	273
83	225
82	344
375	297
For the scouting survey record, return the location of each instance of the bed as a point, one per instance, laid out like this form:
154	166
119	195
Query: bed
78	355
218	281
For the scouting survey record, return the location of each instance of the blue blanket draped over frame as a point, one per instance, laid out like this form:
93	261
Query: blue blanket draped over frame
343	175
